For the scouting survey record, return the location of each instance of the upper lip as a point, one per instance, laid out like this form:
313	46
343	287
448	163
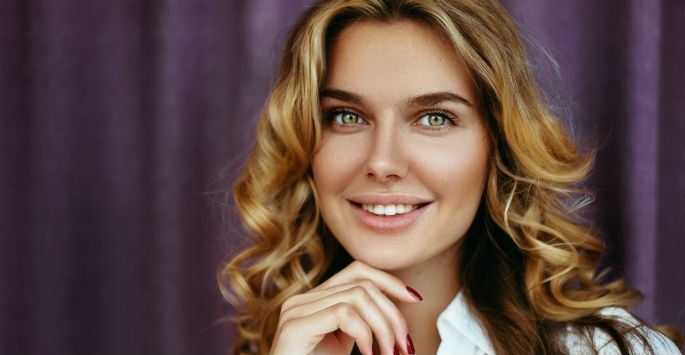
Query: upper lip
389	199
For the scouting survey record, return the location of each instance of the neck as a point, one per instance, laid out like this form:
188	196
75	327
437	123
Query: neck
438	282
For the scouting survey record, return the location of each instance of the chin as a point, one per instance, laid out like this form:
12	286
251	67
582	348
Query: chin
386	259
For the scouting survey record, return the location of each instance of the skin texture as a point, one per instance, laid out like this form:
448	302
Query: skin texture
402	123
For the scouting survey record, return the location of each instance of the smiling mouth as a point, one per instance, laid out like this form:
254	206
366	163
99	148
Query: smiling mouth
389	209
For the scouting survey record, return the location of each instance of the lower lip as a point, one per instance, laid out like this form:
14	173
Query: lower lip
387	224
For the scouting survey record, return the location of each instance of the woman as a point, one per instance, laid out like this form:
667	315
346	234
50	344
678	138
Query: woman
410	193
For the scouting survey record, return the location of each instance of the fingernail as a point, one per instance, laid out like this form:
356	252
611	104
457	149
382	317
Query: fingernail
395	351
375	351
415	294
410	345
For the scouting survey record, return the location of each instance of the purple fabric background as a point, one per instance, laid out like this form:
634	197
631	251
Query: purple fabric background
122	123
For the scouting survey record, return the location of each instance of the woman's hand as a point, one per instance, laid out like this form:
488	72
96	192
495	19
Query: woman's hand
350	307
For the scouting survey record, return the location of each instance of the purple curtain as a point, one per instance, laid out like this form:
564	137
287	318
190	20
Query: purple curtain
123	122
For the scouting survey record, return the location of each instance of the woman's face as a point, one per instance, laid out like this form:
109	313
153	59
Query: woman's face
402	163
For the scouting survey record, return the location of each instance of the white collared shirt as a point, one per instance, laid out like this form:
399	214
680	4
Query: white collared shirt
461	332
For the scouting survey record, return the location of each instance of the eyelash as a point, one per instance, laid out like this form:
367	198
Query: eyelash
449	118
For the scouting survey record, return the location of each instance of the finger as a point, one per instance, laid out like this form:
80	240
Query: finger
387	283
390	311
393	314
340	316
387	331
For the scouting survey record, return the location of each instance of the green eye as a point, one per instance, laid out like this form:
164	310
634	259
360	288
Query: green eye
346	118
349	118
434	120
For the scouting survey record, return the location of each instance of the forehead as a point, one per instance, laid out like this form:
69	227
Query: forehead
391	60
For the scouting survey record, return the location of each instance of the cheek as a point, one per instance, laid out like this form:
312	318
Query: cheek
334	165
455	172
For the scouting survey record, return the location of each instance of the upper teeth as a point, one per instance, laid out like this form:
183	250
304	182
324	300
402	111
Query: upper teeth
388	210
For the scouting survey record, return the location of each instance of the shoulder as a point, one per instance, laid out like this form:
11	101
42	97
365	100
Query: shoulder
576	341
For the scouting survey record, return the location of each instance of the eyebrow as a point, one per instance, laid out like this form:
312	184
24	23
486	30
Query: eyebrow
421	100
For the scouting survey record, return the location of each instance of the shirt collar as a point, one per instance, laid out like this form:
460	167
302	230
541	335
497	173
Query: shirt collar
459	327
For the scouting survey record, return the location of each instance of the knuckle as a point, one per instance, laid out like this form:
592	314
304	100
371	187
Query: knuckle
288	303
361	295
343	310
367	284
288	306
285	316
358	291
357	265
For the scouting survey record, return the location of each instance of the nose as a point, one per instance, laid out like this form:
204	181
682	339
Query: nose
387	161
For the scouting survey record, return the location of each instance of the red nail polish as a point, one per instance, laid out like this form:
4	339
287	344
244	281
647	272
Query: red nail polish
395	351
410	345
414	293
375	351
